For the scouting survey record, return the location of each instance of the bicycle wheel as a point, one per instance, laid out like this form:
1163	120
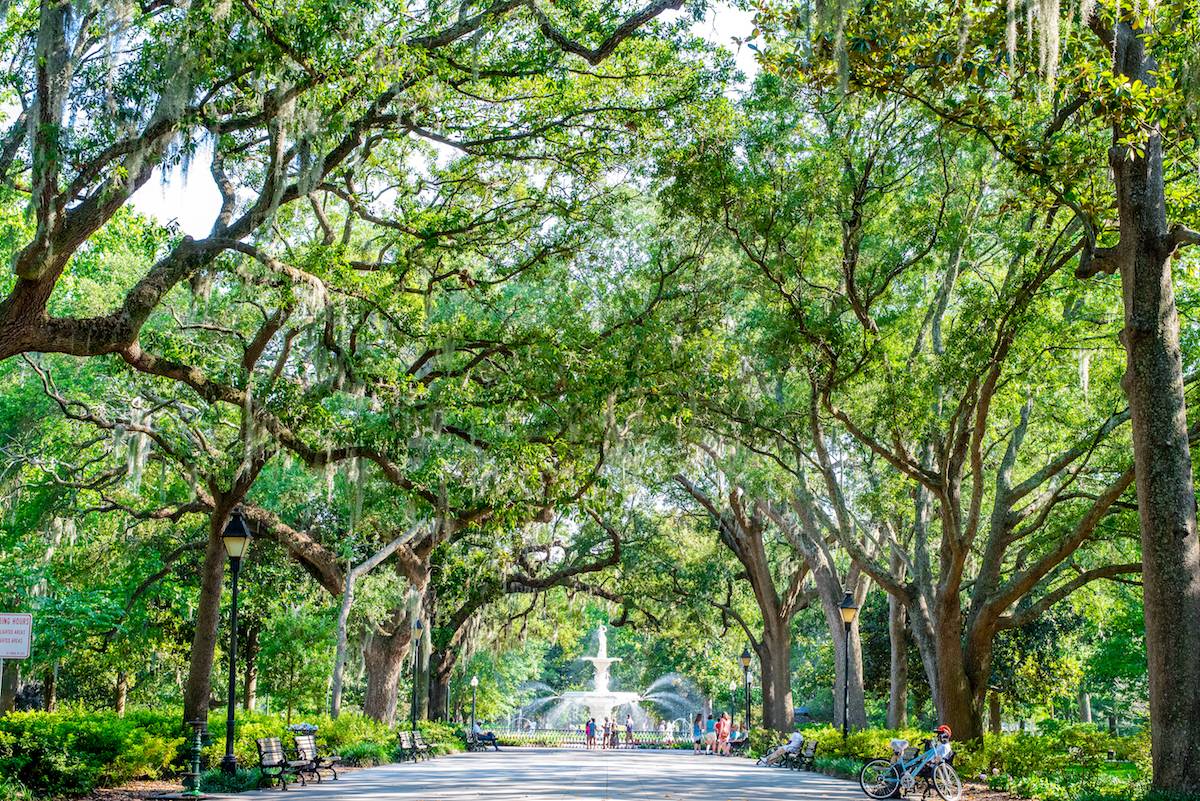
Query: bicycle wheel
947	783
879	779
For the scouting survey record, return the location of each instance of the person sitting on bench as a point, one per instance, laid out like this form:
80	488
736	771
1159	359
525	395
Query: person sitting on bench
487	738
792	746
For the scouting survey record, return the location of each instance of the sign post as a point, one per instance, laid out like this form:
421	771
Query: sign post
16	634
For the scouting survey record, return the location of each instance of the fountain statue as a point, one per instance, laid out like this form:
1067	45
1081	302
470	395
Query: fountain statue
601	701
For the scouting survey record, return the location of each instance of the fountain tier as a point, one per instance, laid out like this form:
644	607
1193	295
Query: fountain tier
600	701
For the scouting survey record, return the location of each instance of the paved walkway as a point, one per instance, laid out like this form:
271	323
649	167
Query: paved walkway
561	774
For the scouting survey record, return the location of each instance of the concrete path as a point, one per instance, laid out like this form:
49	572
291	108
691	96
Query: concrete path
561	774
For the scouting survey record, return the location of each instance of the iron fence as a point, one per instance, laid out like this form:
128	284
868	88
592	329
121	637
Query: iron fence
575	738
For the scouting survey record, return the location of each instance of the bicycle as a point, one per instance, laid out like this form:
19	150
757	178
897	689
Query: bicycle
893	778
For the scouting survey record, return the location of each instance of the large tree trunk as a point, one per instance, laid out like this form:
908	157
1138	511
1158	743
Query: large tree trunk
250	696
956	701
897	714
198	689
775	657
1085	707
384	661
441	667
1153	383
993	712
10	680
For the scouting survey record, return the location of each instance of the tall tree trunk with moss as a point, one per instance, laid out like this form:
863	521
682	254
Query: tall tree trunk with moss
1154	385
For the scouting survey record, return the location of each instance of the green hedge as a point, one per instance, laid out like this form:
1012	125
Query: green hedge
1063	762
72	751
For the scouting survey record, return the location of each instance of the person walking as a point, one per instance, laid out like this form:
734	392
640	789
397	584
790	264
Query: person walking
697	732
723	734
710	734
629	730
605	731
589	733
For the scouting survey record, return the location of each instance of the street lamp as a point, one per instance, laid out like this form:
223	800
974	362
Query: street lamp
745	660
849	612
236	539
417	627
474	687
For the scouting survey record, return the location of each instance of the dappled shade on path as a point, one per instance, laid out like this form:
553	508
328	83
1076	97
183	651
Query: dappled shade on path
545	774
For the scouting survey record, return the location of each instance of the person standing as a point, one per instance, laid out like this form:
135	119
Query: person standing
697	732
710	734
605	730
629	730
723	734
589	733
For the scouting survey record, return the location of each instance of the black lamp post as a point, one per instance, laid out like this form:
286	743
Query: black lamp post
849	612
474	686
237	541
745	660
417	627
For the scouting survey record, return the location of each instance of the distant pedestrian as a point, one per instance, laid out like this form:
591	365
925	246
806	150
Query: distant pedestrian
710	735
629	731
606	732
589	731
697	732
723	734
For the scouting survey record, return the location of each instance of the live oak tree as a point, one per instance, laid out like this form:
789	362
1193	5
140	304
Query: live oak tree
777	584
1098	121
913	348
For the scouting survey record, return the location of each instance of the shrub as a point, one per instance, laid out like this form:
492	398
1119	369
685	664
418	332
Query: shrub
842	767
1041	789
762	742
366	755
218	781
70	752
13	790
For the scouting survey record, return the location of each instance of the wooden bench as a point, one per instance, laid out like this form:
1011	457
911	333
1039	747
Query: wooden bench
275	765
739	746
804	760
408	747
306	749
423	749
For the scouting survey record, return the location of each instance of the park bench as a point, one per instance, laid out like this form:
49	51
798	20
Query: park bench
306	749
807	755
739	746
790	760
474	743
802	759
422	747
409	749
275	765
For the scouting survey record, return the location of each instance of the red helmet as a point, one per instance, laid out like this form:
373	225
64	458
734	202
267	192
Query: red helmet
943	729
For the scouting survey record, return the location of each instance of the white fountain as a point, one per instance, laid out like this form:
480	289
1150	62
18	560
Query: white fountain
668	693
600	701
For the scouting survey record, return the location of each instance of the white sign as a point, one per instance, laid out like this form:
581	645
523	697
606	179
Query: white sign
16	632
